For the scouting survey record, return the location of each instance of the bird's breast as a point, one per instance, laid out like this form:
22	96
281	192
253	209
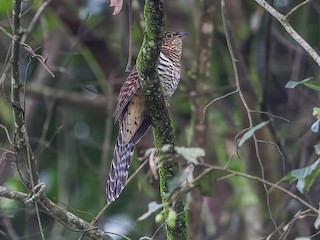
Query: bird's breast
169	74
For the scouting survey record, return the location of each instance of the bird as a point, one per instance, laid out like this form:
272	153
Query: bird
131	114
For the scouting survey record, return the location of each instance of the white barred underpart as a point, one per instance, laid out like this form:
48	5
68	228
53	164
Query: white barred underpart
168	73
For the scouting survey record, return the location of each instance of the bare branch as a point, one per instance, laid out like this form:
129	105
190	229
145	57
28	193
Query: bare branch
244	102
67	218
284	22
40	58
29	171
7	133
255	178
37	193
35	19
296	8
73	99
25	160
7	193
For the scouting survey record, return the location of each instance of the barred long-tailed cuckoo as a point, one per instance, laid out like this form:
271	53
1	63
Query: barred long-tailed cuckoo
131	112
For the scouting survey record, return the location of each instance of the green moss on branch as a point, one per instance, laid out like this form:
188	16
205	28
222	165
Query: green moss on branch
147	63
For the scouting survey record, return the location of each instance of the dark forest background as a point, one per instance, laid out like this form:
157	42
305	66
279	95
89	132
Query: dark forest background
259	133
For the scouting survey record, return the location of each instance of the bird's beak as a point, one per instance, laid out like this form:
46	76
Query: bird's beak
182	34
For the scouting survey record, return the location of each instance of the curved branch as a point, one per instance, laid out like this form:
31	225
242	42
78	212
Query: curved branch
67	218
284	22
147	63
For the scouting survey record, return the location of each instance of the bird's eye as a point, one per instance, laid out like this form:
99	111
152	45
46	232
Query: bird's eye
169	35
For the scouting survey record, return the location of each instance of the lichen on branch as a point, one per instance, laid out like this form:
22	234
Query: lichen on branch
147	63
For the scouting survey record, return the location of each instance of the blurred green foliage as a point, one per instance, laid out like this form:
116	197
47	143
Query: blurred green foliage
72	131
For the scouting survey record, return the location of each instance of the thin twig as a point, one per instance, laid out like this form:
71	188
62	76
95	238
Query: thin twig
296	8
270	114
128	181
46	144
279	151
5	32
255	178
5	69
40	58
7	133
46	123
107	137
7	150
129	63
23	38
35	19
25	157
244	103
38	191
39	220
214	100
66	218
7	193
284	22
24	153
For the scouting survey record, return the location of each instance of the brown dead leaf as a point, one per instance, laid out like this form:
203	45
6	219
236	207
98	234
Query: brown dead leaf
117	4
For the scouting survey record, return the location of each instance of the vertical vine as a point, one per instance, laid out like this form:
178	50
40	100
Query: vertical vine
24	158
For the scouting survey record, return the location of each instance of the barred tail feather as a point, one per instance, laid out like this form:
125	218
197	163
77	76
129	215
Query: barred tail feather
118	173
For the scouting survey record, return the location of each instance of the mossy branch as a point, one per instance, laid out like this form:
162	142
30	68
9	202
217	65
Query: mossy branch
147	63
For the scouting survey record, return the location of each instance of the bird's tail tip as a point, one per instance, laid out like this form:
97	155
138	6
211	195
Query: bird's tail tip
118	173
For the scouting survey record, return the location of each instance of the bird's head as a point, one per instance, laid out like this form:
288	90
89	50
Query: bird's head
172	42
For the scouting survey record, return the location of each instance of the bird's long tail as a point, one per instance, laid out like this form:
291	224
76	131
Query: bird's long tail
118	174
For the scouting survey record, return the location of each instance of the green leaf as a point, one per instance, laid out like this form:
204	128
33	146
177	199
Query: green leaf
305	176
179	179
191	154
250	132
152	208
313	85
317	149
315	127
293	84
316	112
308	82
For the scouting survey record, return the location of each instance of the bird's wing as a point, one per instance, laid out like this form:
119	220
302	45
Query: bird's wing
132	117
130	110
128	90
